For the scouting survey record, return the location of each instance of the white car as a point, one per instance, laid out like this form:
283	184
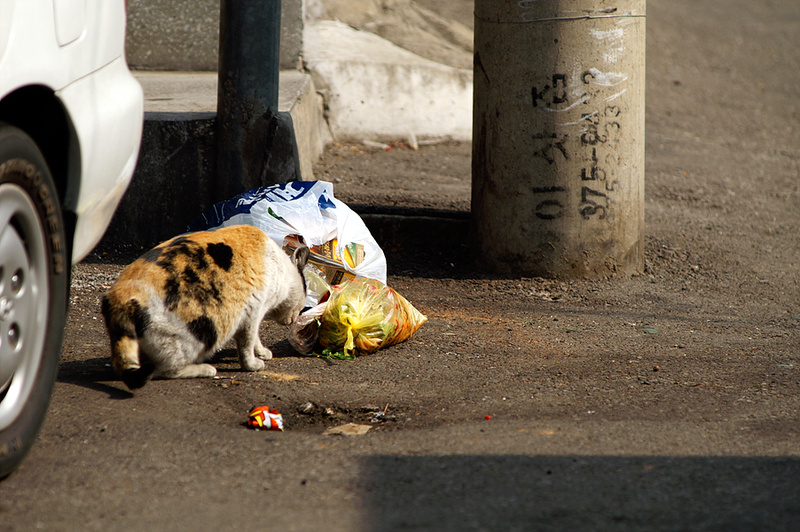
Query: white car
71	117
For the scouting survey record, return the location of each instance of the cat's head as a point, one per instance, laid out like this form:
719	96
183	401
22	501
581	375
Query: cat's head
288	311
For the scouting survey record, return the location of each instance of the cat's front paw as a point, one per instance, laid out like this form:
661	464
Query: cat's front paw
263	353
253	364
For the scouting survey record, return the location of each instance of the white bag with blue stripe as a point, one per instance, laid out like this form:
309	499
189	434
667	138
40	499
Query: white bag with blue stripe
307	209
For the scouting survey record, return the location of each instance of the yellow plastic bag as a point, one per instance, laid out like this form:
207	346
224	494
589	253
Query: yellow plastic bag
364	315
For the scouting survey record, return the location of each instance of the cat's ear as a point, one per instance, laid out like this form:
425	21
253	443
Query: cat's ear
300	257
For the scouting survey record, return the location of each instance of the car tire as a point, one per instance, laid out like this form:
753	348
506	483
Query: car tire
34	285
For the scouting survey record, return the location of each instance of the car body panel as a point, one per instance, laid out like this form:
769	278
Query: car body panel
109	126
70	20
75	48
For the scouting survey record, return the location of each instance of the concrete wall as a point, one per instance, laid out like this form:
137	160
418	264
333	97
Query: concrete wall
184	34
173	183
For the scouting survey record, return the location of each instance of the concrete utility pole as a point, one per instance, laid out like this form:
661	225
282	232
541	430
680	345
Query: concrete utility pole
558	136
255	143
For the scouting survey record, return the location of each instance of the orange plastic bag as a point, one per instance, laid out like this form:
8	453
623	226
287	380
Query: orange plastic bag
364	315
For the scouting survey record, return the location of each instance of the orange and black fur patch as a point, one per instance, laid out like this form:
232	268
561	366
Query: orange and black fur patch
179	302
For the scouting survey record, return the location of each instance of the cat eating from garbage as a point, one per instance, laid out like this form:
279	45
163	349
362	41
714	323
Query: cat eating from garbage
179	303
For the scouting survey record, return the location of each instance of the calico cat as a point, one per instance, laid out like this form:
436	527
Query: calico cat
175	306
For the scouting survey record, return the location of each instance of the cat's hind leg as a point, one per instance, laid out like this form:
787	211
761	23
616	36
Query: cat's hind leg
190	371
176	354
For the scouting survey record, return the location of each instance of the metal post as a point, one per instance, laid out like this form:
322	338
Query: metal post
249	127
558	136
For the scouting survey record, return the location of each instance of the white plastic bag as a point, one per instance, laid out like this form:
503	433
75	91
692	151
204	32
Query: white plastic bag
307	209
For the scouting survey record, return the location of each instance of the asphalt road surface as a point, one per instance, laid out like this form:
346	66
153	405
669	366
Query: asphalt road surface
664	401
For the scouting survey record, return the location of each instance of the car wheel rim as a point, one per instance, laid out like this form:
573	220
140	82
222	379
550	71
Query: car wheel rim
23	299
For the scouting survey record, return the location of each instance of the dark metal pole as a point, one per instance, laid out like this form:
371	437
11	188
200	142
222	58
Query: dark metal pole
248	123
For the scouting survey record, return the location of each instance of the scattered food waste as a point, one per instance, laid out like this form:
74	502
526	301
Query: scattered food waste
350	310
360	317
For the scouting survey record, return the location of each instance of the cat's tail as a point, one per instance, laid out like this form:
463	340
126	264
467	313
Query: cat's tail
126	322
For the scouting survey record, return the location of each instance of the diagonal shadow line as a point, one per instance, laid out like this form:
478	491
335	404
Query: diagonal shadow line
574	492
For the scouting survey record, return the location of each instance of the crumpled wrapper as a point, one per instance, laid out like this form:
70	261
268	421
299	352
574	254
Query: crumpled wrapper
264	418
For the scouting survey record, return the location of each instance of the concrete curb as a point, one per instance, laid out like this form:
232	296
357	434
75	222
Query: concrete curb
377	90
174	179
179	93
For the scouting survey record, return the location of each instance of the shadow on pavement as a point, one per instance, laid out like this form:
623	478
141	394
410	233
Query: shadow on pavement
94	374
581	493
